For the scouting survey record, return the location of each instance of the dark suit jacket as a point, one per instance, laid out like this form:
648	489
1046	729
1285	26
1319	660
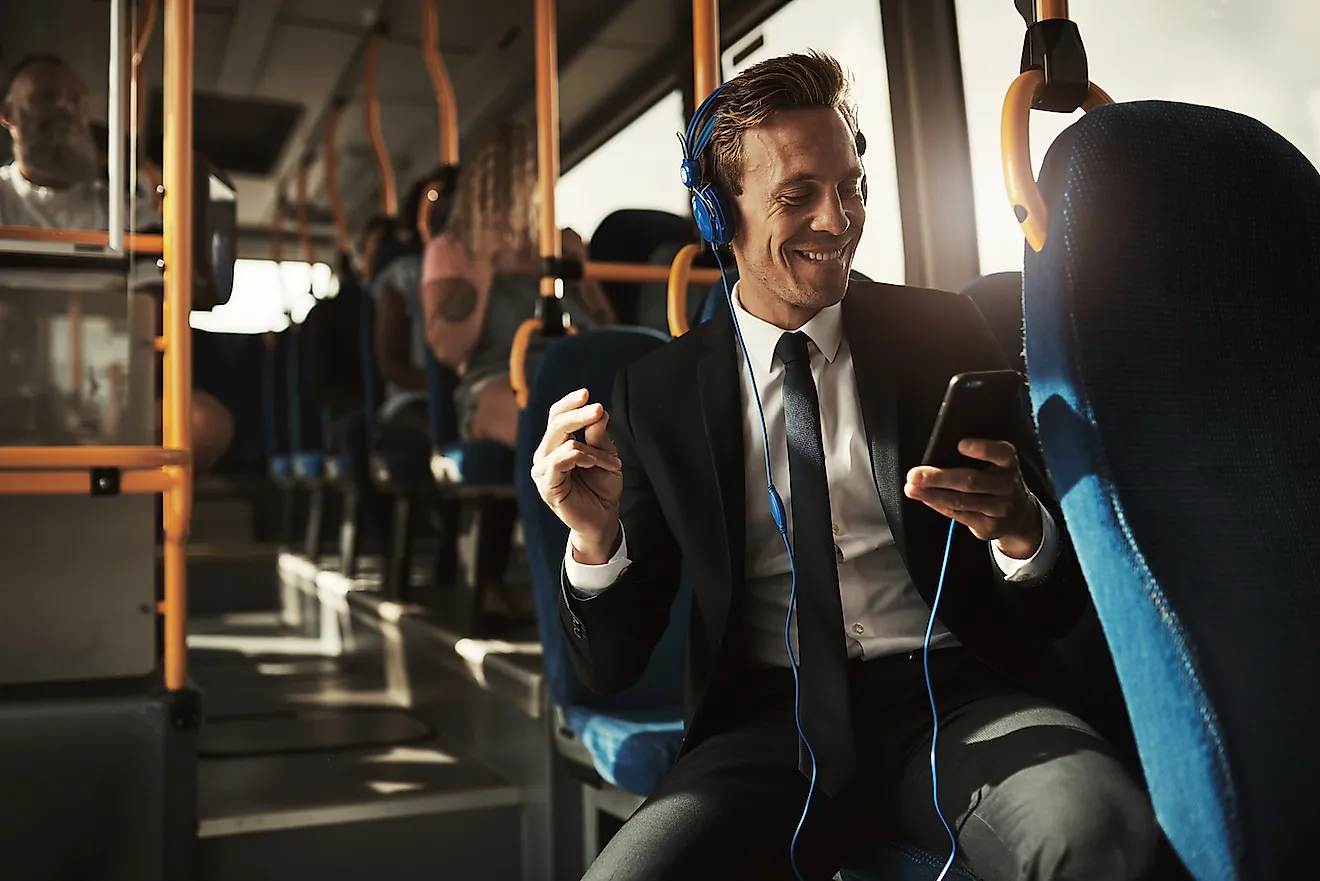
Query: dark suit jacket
677	419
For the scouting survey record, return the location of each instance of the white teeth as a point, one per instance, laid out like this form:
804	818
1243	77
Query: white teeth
822	256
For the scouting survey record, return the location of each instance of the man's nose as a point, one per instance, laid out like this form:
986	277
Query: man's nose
830	216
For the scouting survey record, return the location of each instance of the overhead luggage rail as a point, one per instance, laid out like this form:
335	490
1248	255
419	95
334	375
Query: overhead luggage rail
1054	78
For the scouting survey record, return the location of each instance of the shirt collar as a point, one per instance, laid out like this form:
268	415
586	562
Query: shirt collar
825	329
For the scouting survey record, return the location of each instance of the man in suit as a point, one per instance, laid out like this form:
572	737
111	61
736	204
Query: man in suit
675	472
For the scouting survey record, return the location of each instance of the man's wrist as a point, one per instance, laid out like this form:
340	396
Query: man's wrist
595	552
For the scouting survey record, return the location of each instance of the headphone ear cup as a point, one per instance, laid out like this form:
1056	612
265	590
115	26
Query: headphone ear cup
712	220
864	190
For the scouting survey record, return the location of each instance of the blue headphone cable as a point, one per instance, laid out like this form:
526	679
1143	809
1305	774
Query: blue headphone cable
781	522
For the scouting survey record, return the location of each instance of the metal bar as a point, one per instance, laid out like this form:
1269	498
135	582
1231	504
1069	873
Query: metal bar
79	483
140	244
1046	9
641	273
29	458
115	123
547	134
446	104
705	47
179	52
389	194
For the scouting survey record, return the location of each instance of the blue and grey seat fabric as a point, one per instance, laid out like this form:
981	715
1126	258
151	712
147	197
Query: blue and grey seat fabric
483	463
634	736
1172	342
639	235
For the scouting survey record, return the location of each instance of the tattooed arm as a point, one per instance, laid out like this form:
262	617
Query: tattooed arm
453	301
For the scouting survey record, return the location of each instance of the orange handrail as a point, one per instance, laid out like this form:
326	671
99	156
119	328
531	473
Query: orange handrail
680	273
36	458
330	173
133	242
60	483
547	135
177	418
705	47
389	194
642	273
447	107
1015	135
1046	9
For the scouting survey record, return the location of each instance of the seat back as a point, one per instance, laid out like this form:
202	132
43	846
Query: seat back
999	297
636	235
588	360
1171	338
441	414
274	395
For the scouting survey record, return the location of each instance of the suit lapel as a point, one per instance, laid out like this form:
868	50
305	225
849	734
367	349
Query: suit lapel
872	352
721	411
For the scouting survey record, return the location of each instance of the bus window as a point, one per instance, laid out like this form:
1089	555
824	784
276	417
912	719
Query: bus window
1245	57
637	168
860	48
266	296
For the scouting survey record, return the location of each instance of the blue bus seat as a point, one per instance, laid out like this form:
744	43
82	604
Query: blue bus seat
305	418
999	298
1084	651
634	736
639	235
1171	338
452	460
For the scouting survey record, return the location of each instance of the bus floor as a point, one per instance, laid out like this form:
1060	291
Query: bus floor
318	760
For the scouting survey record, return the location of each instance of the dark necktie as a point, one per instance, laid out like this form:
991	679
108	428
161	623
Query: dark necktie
824	704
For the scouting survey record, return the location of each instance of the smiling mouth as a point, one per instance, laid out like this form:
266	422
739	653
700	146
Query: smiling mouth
822	257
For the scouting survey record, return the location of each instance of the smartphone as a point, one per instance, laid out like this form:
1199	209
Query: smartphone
986	404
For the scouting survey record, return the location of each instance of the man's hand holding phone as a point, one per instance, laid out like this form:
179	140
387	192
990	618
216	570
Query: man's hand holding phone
993	502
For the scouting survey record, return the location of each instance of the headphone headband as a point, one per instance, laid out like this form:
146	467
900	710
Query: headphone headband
709	208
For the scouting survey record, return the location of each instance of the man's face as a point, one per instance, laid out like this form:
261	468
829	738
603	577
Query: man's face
48	116
800	212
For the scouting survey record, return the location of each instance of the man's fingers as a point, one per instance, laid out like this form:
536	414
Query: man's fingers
981	526
570	401
553	468
598	436
562	426
952	500
991	481
996	452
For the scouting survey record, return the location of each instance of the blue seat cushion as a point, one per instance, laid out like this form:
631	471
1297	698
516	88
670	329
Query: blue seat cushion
281	467
478	462
632	749
309	465
899	861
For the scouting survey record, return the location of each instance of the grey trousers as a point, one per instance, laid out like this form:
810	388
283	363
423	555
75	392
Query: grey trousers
1031	791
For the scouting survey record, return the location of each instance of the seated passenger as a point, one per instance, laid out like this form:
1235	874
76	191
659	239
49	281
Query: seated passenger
400	343
54	182
481	280
676	471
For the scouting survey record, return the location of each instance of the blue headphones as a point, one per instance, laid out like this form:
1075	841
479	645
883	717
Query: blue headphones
715	219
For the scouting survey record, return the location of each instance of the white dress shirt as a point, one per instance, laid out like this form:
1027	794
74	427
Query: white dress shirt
883	613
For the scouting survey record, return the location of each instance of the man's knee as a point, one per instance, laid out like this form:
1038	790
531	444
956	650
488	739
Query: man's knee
1083	818
212	429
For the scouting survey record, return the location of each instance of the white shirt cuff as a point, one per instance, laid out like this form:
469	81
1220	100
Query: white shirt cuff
592	580
1039	564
